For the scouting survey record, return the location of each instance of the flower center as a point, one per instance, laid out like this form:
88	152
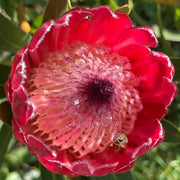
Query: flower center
84	95
98	91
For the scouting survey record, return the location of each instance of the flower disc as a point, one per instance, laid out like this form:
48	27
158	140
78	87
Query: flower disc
83	95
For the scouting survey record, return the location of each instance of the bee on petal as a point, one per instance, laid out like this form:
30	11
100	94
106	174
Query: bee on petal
120	142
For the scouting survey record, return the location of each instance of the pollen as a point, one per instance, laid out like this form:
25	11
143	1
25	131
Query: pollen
84	95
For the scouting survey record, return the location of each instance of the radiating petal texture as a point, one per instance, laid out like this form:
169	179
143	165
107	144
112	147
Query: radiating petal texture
84	80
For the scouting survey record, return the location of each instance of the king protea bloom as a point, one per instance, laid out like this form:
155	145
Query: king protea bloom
87	94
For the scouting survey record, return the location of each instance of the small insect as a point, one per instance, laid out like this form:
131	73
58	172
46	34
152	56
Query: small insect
120	142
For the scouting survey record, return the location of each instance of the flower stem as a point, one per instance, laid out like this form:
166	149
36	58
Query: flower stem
5	136
69	4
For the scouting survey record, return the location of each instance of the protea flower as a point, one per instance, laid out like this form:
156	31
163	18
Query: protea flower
87	93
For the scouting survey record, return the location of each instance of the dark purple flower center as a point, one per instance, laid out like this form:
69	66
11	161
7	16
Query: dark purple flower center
99	91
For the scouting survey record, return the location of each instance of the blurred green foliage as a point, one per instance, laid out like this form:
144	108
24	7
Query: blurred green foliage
163	162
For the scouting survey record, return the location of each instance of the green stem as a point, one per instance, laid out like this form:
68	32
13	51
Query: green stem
69	4
165	44
5	137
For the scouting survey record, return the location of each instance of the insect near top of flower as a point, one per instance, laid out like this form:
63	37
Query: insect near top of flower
120	142
87	87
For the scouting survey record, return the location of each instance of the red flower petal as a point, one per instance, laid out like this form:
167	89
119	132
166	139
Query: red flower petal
143	36
160	95
148	134
144	61
18	132
68	25
37	147
97	32
39	45
21	107
18	57
153	110
57	166
165	63
94	165
159	64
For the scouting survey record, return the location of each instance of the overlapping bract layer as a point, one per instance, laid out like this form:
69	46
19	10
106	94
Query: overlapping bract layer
82	79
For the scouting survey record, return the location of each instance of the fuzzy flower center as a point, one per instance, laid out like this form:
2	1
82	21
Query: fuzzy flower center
98	91
84	95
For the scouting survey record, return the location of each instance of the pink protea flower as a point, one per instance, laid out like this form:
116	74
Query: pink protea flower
86	82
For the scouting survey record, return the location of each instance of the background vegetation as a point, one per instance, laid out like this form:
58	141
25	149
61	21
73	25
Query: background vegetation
19	19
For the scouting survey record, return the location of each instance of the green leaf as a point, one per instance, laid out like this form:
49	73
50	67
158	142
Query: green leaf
76	178
36	23
12	38
177	17
6	113
126	176
113	4
16	2
5	71
9	6
13	175
108	177
5	55
54	9
168	35
48	175
61	177
17	156
5	136
123	176
165	44
172	133
168	2
36	2
4	172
